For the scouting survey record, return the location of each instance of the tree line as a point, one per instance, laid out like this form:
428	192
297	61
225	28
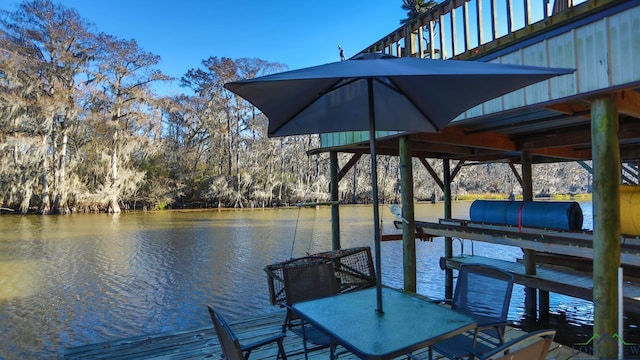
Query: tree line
81	129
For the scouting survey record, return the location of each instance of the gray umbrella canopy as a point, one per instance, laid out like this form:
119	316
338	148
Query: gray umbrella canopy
381	92
410	94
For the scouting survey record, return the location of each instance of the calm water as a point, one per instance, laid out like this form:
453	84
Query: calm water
71	280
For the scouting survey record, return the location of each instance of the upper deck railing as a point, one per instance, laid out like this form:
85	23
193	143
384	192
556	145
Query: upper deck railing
466	28
531	32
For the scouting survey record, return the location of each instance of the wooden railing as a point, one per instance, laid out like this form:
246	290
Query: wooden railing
467	28
492	29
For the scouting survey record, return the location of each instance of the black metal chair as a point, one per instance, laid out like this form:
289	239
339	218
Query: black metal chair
231	347
532	346
308	278
484	293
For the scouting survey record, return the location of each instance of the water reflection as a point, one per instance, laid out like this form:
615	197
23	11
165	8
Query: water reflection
71	280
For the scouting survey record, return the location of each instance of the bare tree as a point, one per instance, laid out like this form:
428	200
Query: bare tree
54	46
124	74
238	117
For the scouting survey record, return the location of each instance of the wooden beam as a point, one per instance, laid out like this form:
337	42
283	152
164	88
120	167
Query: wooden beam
479	21
510	18
542	240
515	173
531	300
420	41
390	147
335	209
573	137
578	136
448	240
457	169
408	217
628	103
432	50
586	166
433	173
571	109
494	19
564	153
354	159
454	33
465	23
456	135
443	53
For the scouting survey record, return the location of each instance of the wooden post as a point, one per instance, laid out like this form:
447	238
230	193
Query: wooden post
413	42
420	42
454	33
408	218
335	212
606	220
479	22
509	16
432	49
529	255
448	242
465	26
494	20
443	39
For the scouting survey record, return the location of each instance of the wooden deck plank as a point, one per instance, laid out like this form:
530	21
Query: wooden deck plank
554	279
202	343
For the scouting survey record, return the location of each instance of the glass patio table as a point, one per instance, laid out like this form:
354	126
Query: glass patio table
409	322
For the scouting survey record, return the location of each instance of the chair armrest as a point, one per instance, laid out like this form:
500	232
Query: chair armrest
497	327
493	325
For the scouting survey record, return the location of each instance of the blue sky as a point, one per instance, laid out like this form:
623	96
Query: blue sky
296	33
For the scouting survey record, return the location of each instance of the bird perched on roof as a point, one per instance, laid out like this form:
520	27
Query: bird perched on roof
342	58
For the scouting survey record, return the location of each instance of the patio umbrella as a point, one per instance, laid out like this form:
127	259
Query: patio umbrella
378	91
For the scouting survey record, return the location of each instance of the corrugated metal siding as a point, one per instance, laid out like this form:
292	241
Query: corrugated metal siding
605	53
564	56
624	45
516	98
352	137
593	64
537	55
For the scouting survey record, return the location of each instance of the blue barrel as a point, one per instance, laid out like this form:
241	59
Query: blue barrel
492	212
558	215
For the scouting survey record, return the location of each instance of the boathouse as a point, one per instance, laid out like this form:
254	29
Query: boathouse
591	117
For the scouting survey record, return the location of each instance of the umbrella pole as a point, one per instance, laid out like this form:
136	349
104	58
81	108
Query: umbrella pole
374	184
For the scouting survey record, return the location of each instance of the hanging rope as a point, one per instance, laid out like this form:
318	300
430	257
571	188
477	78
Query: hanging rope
313	226
295	231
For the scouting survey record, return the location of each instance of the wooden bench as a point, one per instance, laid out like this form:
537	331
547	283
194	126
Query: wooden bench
550	278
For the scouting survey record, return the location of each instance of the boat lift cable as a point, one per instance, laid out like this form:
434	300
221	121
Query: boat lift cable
313	226
295	231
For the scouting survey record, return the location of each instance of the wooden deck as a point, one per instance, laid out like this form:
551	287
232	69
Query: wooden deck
202	344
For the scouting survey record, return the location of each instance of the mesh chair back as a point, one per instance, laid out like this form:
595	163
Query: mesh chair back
483	291
228	341
309	278
305	279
